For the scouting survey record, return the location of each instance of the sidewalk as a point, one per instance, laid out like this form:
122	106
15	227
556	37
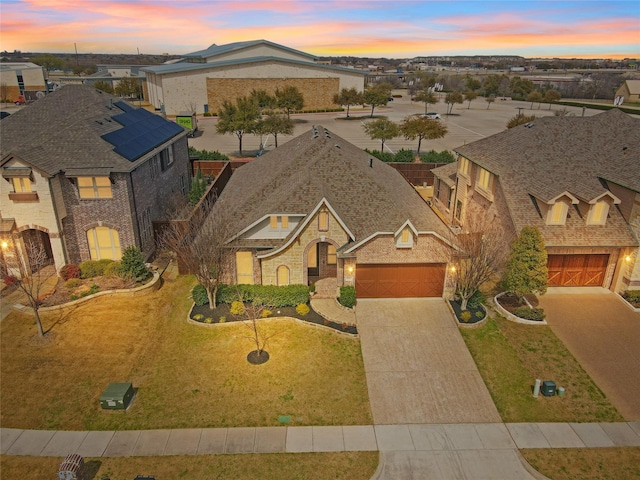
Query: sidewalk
383	438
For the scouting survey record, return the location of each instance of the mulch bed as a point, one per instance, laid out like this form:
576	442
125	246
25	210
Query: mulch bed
62	294
477	314
510	301
223	310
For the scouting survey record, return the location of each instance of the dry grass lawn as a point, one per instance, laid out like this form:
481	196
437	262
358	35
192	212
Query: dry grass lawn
186	375
510	356
585	463
302	466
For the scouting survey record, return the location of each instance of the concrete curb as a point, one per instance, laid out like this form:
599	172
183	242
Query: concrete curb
512	317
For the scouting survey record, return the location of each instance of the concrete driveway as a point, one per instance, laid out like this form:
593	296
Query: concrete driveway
604	336
417	365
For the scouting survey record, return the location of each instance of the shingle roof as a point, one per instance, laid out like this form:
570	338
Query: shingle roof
63	131
565	154
294	178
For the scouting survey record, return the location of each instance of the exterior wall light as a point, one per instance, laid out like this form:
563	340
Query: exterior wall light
350	269
626	259
4	244
453	269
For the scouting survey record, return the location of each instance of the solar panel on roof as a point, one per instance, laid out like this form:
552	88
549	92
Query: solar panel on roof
123	106
141	132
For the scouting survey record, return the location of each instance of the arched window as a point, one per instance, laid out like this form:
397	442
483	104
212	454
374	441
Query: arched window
104	242
283	275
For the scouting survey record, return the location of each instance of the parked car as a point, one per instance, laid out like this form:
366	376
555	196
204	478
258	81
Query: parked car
4	114
20	100
431	115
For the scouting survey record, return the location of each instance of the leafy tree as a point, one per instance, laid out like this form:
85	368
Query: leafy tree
473	84
427	96
469	96
422	127
490	99
526	268
377	95
103	86
520	88
451	98
276	125
198	187
491	85
288	99
382	129
348	97
551	96
520	120
263	100
533	97
49	62
132	263
128	87
239	118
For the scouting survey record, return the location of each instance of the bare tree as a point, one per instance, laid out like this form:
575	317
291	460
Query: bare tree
480	252
35	272
201	245
258	335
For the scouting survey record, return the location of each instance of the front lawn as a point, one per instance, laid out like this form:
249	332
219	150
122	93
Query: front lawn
186	375
510	356
278	466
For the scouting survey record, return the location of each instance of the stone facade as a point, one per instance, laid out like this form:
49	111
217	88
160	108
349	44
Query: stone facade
295	256
317	92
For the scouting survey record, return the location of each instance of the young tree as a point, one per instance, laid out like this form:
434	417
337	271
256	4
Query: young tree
276	125
427	96
469	96
451	98
490	99
263	100
103	86
473	84
198	187
382	129
200	244
348	97
422	127
35	273
551	96
128	87
132	264
479	255
377	95
239	118
526	269
534	97
258	335
288	99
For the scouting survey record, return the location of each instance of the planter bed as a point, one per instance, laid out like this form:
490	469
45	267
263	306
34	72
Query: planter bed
223	310
507	304
478	314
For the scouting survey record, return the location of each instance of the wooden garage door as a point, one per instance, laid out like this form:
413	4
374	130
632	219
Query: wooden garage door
398	281
577	270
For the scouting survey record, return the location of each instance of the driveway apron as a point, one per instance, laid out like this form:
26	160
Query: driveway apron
417	365
604	336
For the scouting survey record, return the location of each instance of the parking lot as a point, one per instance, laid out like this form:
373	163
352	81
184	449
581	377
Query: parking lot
466	124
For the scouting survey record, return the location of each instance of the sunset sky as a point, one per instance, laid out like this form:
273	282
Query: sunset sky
375	28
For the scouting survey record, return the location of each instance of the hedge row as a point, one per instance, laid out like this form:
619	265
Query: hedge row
268	295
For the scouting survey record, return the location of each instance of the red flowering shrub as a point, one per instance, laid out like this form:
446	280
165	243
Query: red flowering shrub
70	270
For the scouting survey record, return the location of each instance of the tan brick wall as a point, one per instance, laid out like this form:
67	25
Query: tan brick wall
317	92
382	249
295	255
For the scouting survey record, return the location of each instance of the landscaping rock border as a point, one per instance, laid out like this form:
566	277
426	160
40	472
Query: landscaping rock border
145	289
627	303
510	316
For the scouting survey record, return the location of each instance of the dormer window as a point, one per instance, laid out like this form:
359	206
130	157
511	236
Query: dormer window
463	167
598	213
405	238
557	214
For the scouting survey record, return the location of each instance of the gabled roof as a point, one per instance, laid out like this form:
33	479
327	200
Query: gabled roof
216	50
68	130
559	155
367	195
633	86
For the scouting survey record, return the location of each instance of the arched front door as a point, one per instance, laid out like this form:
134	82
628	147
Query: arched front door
322	261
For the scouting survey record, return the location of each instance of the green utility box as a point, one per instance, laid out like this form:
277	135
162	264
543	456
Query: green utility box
117	396
188	120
